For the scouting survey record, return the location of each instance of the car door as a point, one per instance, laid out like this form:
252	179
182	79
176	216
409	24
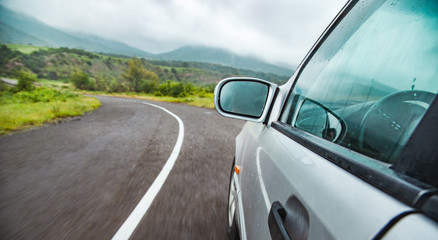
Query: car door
327	164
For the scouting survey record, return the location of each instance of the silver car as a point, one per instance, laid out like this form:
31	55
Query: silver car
348	147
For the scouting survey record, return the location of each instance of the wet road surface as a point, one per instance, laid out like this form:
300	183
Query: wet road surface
82	178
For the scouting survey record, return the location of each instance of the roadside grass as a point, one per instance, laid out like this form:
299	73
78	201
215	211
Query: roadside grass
52	100
197	98
204	100
25	110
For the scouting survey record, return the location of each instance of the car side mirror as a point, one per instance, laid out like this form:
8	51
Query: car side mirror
315	118
244	98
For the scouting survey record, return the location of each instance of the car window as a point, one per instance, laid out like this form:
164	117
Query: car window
373	79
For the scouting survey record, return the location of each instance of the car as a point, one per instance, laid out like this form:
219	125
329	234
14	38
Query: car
347	148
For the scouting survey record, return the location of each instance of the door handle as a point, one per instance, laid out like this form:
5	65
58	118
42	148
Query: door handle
276	218
289	222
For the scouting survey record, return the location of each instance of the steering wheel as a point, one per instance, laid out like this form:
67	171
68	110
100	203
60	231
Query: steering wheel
388	124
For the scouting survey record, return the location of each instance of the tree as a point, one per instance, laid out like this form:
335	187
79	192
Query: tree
139	78
81	80
25	80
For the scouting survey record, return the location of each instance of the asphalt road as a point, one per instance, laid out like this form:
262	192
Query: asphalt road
82	178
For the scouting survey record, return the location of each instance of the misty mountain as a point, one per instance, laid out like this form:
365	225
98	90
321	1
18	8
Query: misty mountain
222	57
22	29
12	35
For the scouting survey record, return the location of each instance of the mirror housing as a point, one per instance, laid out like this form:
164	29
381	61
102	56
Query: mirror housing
315	118
244	98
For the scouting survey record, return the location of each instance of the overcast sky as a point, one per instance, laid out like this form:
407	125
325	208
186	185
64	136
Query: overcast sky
279	31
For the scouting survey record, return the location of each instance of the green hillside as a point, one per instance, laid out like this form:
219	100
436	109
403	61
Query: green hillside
60	63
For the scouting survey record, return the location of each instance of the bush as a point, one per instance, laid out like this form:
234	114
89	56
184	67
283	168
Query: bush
117	86
174	89
42	95
101	83
148	86
82	81
25	80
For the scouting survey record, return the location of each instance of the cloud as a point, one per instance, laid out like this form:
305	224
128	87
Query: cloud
277	31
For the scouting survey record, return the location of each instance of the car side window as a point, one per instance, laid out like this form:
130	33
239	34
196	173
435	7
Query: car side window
371	81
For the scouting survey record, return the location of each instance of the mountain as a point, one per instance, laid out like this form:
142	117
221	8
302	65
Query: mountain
223	57
22	29
12	35
113	47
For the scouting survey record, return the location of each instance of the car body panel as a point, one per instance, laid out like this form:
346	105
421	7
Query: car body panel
411	226
330	209
339	202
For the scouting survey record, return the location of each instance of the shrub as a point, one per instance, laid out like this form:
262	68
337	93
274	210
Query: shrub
42	95
117	86
148	86
174	89
25	80
82	81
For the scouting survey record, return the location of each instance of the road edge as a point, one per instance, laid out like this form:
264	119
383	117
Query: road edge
131	223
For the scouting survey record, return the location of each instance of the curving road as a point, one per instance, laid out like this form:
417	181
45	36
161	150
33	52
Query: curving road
81	179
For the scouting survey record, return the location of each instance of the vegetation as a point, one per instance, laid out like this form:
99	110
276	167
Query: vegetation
109	74
188	82
139	78
47	76
60	63
25	81
25	106
26	49
28	109
20	28
81	81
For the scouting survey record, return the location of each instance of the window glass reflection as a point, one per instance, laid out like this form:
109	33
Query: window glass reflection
378	74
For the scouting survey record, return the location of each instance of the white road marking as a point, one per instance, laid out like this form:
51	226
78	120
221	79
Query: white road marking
140	210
